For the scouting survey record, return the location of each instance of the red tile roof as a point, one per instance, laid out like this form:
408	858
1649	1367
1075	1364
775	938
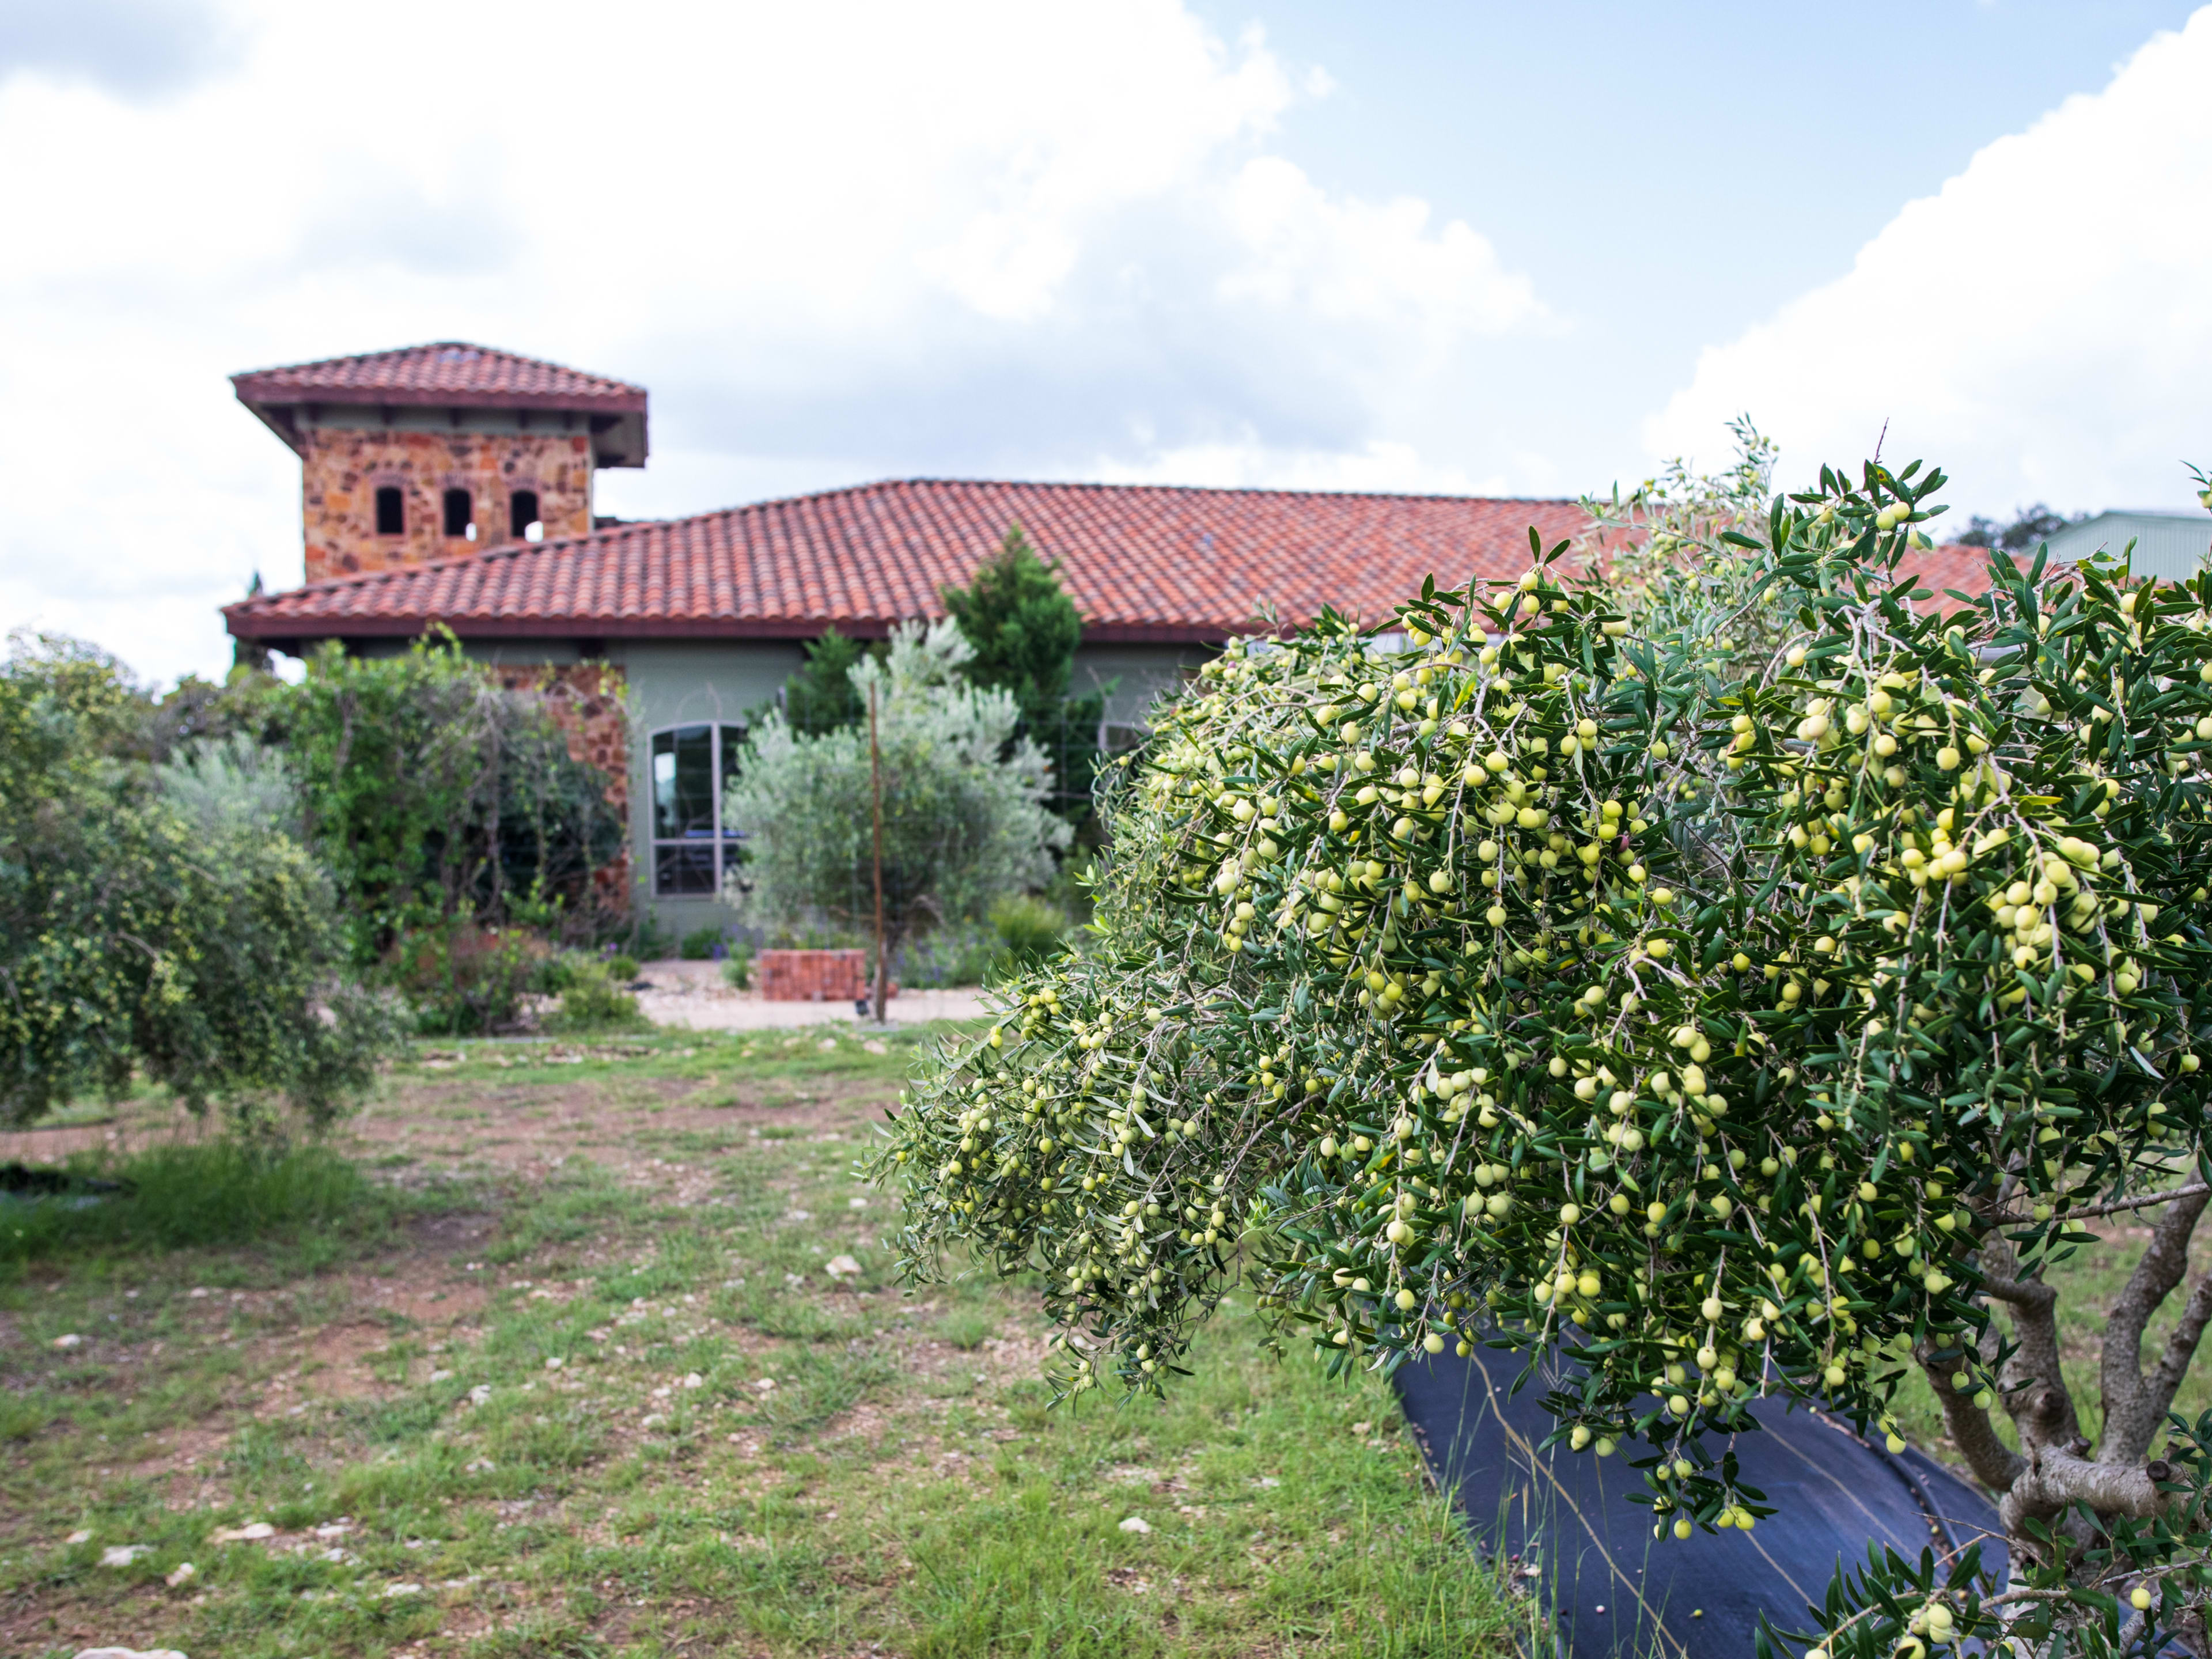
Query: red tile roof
448	373
1951	568
1141	563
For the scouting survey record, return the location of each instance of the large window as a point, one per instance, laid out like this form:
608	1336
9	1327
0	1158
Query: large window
691	846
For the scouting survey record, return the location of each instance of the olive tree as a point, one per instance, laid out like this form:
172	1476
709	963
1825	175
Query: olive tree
146	937
962	800
1764	1030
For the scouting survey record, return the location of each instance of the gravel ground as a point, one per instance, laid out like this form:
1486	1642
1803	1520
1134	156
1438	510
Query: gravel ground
691	995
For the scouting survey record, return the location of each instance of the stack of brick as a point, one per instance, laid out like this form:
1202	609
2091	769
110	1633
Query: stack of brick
813	976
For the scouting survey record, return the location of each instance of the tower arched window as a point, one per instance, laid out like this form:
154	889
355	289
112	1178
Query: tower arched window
460	515
694	847
390	511
523	522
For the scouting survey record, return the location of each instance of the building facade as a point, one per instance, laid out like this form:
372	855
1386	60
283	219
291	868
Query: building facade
657	643
437	452
2170	545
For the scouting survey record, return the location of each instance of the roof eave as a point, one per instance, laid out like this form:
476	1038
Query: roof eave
245	622
277	419
260	388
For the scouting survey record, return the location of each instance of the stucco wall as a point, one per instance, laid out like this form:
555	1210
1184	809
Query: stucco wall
1137	674
678	683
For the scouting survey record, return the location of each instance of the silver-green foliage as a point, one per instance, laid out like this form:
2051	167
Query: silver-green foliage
201	950
1743	1023
963	814
232	783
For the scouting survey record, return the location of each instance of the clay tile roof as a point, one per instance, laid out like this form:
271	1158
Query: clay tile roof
1141	563
1949	570
447	373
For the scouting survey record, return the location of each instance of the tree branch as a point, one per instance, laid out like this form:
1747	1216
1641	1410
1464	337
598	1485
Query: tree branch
2034	1385
2056	1477
2114	1206
2131	1414
1995	1464
2165	1379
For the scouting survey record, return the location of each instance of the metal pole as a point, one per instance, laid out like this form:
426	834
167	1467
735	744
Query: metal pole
876	787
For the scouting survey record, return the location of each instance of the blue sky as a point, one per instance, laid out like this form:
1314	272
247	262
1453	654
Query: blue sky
1666	174
1521	250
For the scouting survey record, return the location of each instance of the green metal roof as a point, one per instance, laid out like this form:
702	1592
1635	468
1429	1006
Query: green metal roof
2171	545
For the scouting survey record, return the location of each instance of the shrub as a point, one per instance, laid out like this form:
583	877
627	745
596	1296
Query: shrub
232	784
963	812
433	794
465	978
819	696
700	945
1030	932
593	1002
648	941
957	953
554	974
621	969
203	952
737	965
815	936
1024	630
1741	1024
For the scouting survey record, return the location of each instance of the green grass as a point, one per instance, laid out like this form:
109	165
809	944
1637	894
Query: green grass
2087	1280
604	1398
212	1192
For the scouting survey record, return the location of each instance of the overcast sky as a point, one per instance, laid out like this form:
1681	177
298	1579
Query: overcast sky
1515	249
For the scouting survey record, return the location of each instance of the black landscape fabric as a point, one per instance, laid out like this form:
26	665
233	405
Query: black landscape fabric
1614	1589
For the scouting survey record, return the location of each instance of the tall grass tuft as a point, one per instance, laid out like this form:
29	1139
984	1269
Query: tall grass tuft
215	1192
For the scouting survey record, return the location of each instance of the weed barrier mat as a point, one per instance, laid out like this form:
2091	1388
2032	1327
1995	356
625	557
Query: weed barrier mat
1603	1585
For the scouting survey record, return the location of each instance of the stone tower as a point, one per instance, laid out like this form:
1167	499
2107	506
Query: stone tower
435	452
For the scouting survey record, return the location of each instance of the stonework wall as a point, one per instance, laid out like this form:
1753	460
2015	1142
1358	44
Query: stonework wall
346	466
585	700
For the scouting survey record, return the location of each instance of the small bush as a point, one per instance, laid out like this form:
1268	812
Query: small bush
649	941
815	936
960	953
699	945
556	973
737	965
594	1002
466	978
1029	930
621	969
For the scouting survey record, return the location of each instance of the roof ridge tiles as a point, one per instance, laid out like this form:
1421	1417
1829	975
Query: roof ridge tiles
460	369
1264	490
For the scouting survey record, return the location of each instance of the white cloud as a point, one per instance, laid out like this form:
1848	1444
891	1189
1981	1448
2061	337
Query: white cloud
835	242
2038	326
1380	465
1378	262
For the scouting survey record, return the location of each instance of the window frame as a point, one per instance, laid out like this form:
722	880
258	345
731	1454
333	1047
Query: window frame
723	737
